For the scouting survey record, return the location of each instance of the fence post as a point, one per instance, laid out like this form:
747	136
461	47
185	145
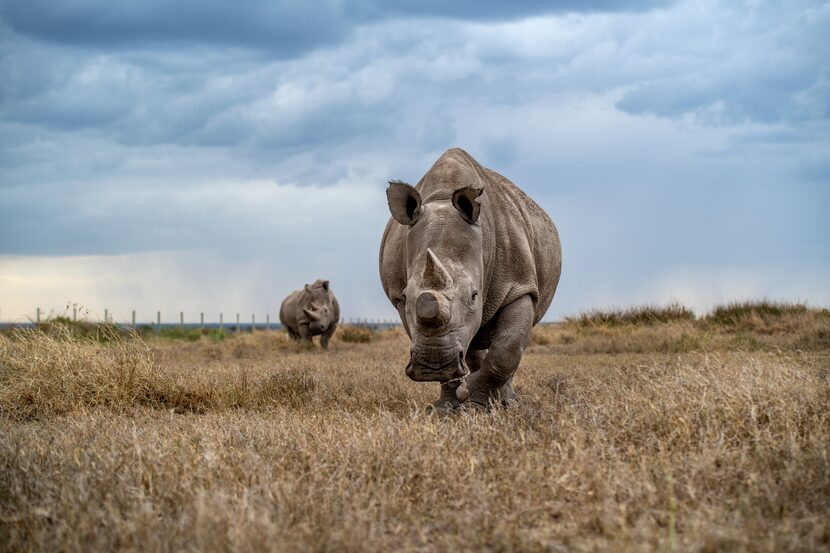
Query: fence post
237	322
253	322
202	321
106	316
133	317
221	323
267	322
158	321
38	315
74	314
181	319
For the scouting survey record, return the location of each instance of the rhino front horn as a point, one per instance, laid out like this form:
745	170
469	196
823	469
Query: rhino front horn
435	275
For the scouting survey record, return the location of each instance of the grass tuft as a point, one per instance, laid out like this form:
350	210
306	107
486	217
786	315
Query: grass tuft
355	334
52	371
639	315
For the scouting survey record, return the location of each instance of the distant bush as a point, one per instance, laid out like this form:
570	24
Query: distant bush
638	315
216	335
355	334
737	313
66	327
179	333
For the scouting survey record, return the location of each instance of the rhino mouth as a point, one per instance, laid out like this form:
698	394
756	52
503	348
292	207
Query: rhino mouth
430	364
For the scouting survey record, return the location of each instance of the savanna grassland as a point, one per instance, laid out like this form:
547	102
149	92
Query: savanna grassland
637	430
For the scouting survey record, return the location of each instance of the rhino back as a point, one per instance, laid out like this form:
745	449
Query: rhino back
522	252
291	309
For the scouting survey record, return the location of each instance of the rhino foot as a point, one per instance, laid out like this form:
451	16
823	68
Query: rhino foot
442	407
507	395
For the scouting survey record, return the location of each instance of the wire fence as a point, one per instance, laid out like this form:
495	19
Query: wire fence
236	324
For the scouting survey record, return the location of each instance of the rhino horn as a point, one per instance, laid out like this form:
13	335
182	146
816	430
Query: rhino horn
435	275
311	314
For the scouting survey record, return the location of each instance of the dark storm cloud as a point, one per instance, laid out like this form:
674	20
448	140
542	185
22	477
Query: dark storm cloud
283	28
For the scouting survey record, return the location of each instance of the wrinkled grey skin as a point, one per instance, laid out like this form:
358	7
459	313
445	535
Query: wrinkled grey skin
471	264
311	311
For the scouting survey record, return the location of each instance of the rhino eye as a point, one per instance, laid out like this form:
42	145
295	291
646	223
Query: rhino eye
475	295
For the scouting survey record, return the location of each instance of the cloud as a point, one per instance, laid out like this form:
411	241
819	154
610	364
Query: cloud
284	29
660	140
762	62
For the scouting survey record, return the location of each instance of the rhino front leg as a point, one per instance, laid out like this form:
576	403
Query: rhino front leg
448	401
305	333
493	382
326	336
475	359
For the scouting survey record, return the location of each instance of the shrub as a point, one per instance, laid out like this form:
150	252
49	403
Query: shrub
66	327
355	334
639	315
46	373
180	333
735	313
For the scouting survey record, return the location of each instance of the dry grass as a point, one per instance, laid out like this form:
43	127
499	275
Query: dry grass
637	315
258	443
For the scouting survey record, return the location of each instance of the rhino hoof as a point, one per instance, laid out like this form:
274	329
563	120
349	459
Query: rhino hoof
442	407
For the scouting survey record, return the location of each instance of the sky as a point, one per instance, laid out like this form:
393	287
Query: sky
211	156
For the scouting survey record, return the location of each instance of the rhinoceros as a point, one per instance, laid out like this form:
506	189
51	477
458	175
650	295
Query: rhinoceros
471	263
311	311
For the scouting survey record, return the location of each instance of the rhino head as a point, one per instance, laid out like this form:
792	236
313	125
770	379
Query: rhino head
318	309
441	305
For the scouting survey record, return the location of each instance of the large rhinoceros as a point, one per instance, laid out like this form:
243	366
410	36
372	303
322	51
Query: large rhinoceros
311	311
471	264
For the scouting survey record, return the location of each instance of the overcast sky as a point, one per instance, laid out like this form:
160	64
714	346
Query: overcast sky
207	155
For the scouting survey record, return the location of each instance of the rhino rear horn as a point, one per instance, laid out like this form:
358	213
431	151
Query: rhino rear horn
465	200
435	275
404	202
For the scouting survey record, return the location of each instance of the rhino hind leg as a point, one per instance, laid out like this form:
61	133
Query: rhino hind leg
492	384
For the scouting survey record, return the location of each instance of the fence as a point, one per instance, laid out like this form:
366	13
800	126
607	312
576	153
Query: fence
239	326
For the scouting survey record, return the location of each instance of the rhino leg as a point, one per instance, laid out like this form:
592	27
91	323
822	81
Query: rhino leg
448	401
492	384
294	335
305	332
475	359
326	336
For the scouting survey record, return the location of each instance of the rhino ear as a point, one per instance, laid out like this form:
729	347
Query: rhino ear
325	284
307	288
404	202
466	202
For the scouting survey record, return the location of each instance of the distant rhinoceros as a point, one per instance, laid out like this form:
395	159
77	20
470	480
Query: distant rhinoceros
311	311
471	264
